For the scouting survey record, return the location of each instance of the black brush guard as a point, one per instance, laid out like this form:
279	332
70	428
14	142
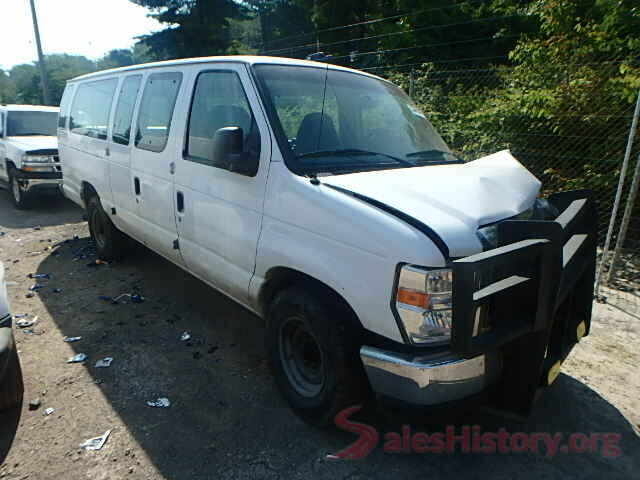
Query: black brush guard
530	299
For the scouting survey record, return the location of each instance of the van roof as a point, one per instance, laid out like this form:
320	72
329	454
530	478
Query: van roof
29	108
247	59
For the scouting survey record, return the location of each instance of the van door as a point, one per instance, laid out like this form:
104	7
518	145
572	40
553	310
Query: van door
219	212
119	152
152	163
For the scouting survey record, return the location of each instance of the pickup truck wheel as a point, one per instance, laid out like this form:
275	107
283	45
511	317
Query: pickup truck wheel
315	361
19	196
11	385
111	243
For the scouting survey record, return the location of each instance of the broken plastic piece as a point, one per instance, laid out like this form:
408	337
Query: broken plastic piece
57	290
80	357
39	275
162	402
135	298
104	362
36	287
95	443
48	411
185	336
26	323
71	339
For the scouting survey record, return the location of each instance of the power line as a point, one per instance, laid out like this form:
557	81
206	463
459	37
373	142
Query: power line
377	20
385	35
430	45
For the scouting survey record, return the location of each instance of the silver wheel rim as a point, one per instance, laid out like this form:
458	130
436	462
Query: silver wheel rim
301	357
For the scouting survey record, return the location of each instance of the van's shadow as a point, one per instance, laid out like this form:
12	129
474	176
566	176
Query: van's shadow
226	417
45	210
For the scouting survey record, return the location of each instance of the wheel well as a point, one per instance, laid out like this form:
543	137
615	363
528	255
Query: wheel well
87	192
280	278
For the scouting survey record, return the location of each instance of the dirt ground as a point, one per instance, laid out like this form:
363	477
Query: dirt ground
226	419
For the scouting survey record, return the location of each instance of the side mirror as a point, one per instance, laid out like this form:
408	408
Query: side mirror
228	151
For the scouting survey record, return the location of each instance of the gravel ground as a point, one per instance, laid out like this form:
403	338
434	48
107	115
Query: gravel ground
226	419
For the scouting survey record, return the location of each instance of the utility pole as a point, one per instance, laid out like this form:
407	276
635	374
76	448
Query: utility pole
43	67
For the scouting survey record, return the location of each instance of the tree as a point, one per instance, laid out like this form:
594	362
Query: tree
195	27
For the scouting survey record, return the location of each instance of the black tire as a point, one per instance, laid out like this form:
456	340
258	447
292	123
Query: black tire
19	197
318	368
111	243
11	385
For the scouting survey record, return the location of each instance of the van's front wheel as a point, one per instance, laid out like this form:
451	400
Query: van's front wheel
315	360
110	242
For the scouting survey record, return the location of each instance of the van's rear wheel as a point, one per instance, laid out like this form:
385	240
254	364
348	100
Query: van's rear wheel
18	193
111	243
314	358
11	385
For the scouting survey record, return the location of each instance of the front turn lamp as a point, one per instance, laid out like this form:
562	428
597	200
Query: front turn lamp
423	303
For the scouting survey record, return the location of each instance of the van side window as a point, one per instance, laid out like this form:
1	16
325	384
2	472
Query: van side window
121	132
219	101
65	104
156	110
1	124
91	107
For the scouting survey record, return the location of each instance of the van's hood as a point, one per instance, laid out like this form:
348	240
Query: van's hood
35	142
453	200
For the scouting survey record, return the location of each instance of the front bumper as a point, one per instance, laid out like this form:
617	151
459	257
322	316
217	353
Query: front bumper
39	181
427	380
518	310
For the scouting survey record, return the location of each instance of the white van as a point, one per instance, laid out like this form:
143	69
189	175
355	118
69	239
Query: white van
322	199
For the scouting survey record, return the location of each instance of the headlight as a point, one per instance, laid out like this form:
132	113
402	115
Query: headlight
423	303
37	158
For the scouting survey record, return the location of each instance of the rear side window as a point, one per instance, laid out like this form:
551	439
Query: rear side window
65	105
156	110
124	109
91	107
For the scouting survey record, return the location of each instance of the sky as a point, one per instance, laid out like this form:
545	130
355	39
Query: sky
81	27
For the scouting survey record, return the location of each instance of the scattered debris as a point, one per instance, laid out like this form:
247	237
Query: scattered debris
23	323
78	358
34	404
31	331
21	315
185	336
95	443
162	402
135	298
104	362
71	339
39	275
48	411
29	295
36	287
97	263
57	290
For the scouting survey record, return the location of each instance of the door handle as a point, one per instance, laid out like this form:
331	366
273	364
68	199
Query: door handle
136	185
180	202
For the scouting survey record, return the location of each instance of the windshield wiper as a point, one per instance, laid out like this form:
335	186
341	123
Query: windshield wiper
350	152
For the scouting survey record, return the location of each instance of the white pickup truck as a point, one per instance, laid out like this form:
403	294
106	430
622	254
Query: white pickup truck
322	199
29	151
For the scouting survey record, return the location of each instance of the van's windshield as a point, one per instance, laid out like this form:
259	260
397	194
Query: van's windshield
336	121
23	123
